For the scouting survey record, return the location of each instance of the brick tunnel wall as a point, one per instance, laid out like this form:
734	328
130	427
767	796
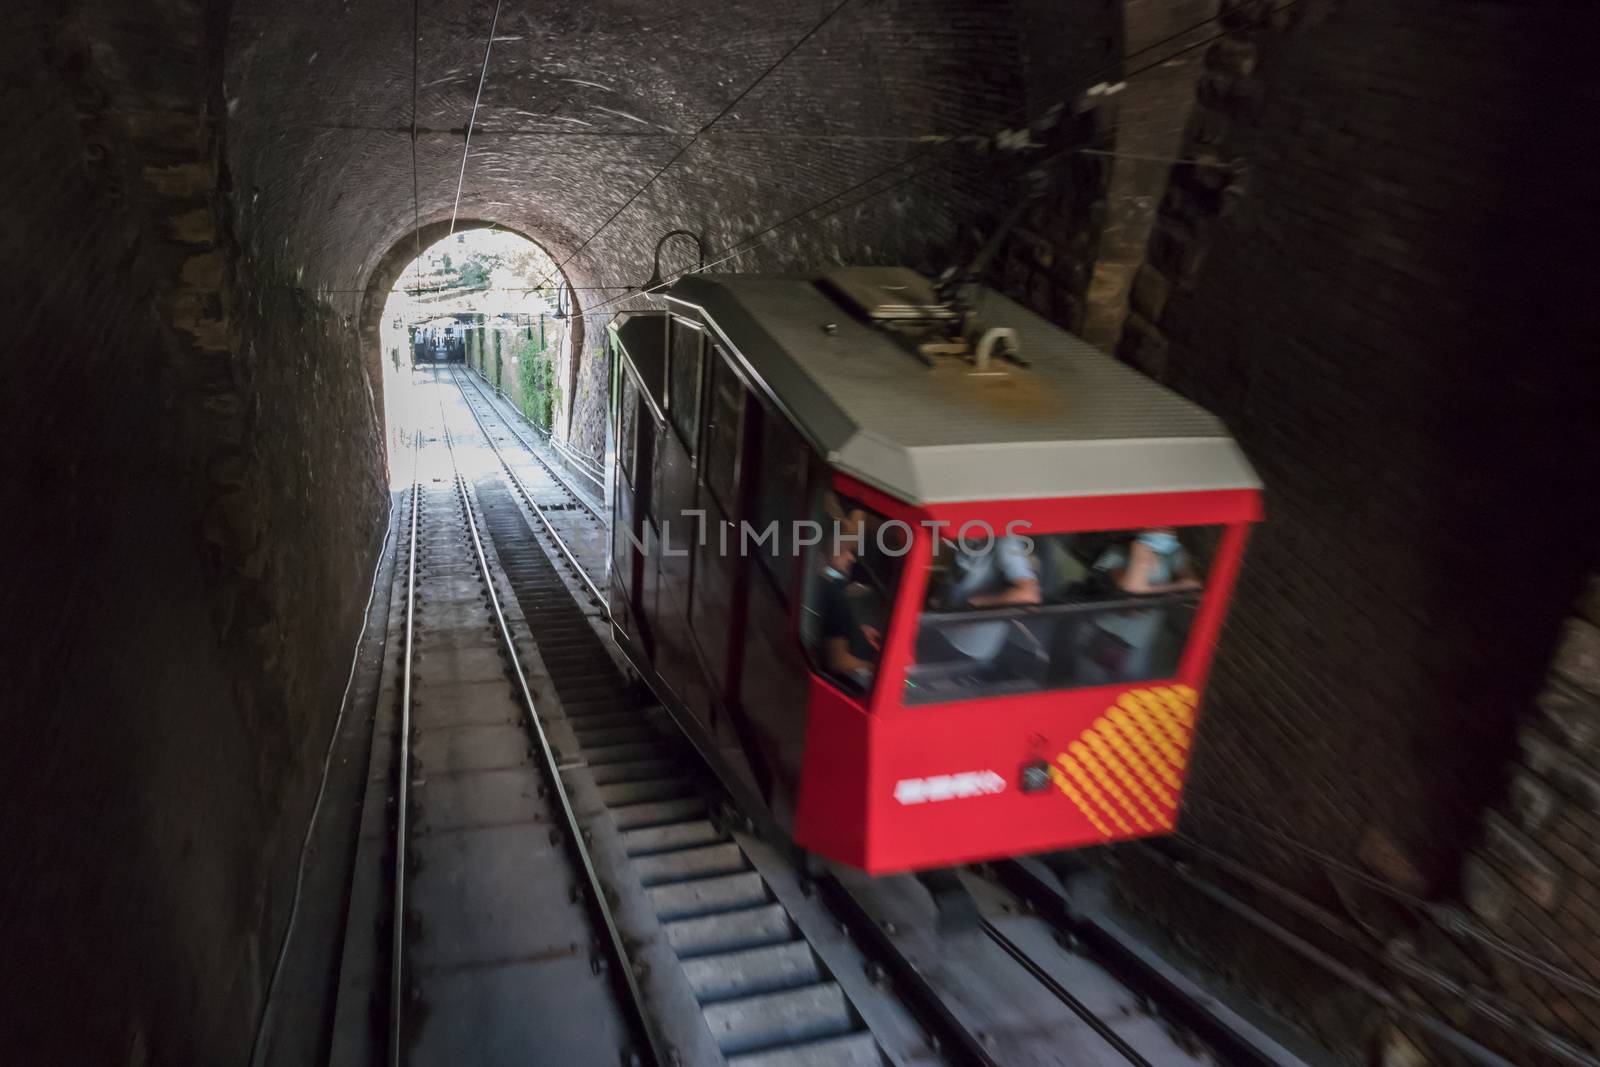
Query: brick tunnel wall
193	496
202	470
1370	299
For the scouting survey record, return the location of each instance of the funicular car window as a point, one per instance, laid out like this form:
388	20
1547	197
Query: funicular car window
1024	613
723	414
628	413
780	488
852	569
683	381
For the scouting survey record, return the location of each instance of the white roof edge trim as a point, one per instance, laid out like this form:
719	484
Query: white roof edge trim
970	474
1099	442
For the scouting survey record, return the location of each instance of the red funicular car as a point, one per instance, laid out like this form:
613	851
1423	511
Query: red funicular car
933	580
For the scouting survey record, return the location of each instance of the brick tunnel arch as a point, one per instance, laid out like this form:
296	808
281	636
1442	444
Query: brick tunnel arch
402	252
876	152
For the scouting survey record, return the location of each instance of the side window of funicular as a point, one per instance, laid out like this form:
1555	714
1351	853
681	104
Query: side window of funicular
627	419
852	569
1024	612
780	495
683	381
724	413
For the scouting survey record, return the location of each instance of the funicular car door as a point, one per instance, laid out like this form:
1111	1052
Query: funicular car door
770	671
640	419
716	545
677	457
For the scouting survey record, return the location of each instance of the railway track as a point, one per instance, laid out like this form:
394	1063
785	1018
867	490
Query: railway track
580	474
704	965
702	943
476	787
586	469
568	513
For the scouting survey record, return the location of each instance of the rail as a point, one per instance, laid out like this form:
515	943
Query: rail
962	1043
588	467
1064	995
581	465
402	801
954	1038
621	971
1049	904
540	513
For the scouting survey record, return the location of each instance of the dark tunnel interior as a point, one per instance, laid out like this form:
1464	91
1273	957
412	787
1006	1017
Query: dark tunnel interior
1358	232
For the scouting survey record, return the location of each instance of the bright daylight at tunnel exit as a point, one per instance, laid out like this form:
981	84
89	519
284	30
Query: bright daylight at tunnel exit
838	532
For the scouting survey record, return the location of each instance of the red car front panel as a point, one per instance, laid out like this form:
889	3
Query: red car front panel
887	787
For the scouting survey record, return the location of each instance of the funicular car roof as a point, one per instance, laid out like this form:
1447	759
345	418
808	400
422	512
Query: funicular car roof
1074	422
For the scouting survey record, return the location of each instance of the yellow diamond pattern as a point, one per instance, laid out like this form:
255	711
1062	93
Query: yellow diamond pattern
1124	770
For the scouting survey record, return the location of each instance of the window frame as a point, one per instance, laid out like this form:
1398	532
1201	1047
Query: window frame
690	439
629	410
784	585
1079	607
810	580
716	363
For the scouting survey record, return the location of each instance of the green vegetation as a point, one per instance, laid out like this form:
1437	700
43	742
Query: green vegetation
536	389
537	378
474	273
471	272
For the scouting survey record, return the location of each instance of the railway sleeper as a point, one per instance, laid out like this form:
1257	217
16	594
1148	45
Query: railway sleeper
766	998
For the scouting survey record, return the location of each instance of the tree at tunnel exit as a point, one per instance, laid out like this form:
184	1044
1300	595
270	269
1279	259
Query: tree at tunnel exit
473	274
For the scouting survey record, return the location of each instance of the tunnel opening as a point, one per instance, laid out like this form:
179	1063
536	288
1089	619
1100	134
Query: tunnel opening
481	296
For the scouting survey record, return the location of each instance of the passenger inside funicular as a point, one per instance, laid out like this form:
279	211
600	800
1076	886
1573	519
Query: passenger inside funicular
1018	613
849	590
1124	644
998	572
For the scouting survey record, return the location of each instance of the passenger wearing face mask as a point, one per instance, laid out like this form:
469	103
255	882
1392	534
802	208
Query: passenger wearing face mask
1120	643
1153	562
849	648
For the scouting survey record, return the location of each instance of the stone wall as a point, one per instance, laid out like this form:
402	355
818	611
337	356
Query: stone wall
1146	117
1533	879
192	510
1360	275
587	430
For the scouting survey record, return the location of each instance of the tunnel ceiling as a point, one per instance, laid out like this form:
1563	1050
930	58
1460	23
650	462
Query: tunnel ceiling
585	102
